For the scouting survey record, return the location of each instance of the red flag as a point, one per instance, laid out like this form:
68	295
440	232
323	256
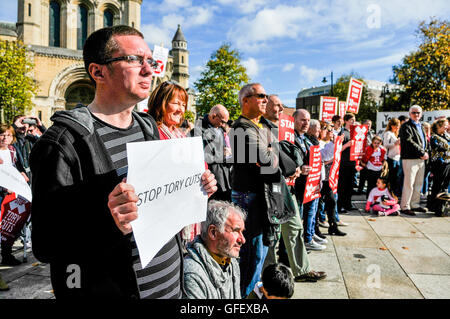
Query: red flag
312	187
333	178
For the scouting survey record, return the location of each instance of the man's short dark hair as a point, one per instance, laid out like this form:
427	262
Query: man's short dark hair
348	116
100	45
335	118
402	118
278	281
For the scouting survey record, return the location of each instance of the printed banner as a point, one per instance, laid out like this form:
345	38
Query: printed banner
312	187
166	176
358	134
160	54
342	108
355	88
286	130
333	178
328	108
15	212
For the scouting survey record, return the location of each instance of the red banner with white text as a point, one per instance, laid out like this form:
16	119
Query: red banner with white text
354	94
312	187
328	108
14	214
286	128
333	178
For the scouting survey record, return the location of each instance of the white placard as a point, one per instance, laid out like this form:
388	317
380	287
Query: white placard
11	179
166	176
160	54
428	116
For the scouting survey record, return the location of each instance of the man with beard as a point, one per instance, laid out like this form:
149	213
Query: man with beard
211	270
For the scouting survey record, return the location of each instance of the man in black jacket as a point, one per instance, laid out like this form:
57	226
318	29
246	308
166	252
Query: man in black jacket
254	164
82	206
413	152
212	129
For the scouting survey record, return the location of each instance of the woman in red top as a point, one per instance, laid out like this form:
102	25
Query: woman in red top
167	105
373	160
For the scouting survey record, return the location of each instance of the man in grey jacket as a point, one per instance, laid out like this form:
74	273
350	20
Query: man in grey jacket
211	270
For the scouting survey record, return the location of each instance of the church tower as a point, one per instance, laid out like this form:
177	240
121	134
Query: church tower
180	59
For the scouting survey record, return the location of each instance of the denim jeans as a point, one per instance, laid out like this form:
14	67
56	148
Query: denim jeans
309	218
321	210
253	252
395	176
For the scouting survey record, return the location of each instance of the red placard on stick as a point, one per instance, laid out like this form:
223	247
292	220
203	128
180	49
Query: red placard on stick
355	88
333	178
328	108
358	134
312	187
342	108
286	130
15	212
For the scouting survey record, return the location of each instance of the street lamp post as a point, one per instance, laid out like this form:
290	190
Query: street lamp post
325	81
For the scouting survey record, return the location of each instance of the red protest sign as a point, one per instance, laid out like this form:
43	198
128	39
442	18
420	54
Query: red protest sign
312	187
358	135
286	130
354	94
15	213
342	108
333	178
328	107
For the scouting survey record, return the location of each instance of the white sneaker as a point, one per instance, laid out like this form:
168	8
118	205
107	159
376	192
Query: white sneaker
312	245
324	224
341	223
320	240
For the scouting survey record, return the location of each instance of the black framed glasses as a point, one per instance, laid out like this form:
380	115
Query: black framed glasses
259	95
134	59
415	112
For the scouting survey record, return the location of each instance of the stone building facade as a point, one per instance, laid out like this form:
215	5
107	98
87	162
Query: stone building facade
54	32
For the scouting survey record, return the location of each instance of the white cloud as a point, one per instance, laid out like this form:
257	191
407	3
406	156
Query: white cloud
156	35
268	24
310	75
252	67
288	67
245	7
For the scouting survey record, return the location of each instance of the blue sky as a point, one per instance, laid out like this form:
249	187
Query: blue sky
289	45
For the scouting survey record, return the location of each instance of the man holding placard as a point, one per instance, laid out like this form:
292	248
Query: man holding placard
82	205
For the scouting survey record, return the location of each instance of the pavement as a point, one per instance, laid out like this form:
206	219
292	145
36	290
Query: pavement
390	257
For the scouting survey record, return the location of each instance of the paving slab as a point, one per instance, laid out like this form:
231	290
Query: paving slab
431	225
29	287
442	241
359	233
418	255
394	226
432	286
371	273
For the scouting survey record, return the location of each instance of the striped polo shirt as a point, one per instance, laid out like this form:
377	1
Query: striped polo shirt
161	279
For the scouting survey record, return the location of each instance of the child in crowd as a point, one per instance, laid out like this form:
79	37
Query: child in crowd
373	160
277	283
381	200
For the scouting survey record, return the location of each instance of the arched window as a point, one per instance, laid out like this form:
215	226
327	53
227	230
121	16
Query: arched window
54	23
82	26
79	92
108	18
182	59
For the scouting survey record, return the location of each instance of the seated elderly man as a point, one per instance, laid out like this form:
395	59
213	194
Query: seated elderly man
211	270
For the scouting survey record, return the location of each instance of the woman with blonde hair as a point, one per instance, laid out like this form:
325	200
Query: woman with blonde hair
167	105
392	144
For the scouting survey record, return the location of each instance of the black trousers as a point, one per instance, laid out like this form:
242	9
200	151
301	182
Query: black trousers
372	177
345	185
441	178
330	202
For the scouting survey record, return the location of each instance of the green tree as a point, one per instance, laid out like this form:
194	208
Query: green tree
16	83
368	106
221	81
425	73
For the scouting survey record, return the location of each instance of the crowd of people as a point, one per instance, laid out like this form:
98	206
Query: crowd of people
258	230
